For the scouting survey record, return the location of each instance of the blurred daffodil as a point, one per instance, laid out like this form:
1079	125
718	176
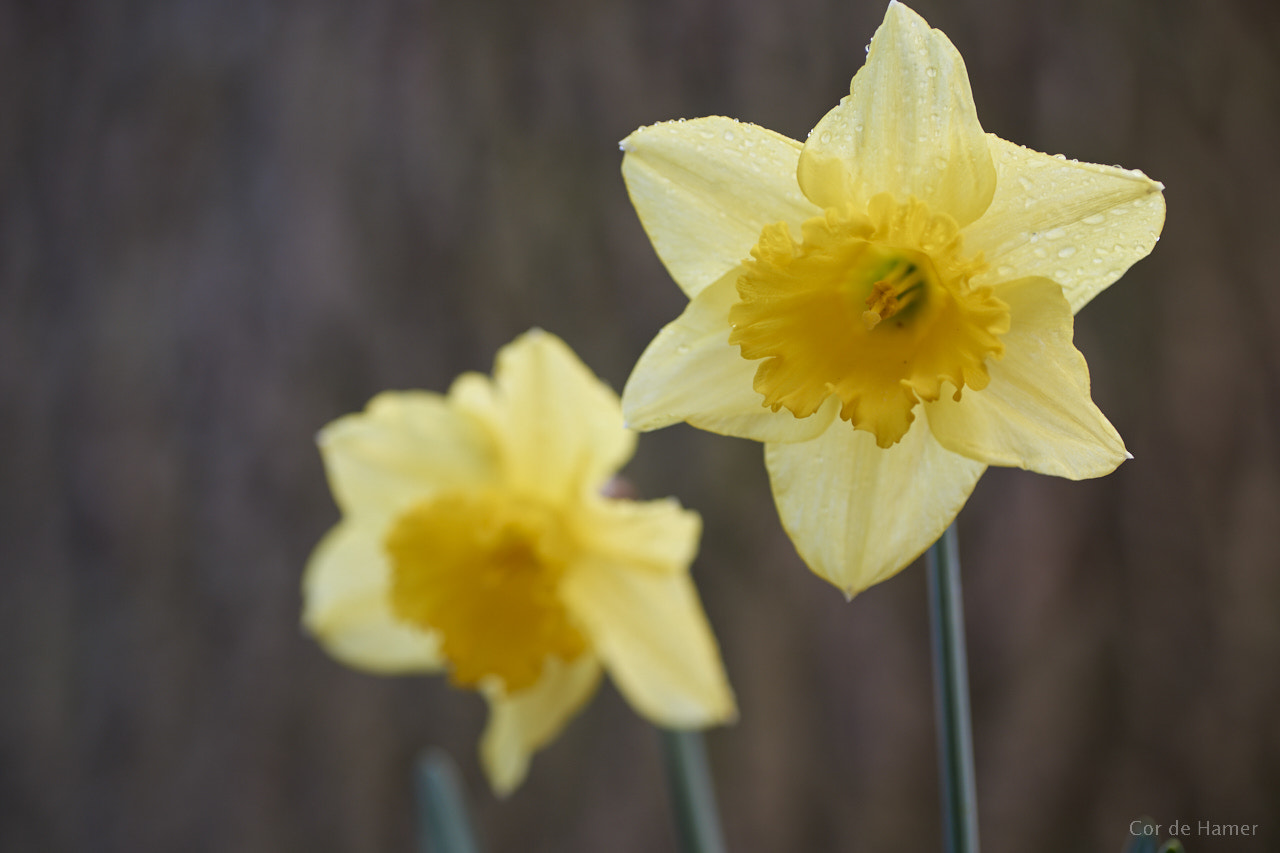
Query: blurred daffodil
475	540
887	306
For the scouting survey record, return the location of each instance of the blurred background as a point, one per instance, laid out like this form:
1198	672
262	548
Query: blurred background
224	224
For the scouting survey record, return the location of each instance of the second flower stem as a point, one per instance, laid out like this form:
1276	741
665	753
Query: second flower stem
951	694
692	795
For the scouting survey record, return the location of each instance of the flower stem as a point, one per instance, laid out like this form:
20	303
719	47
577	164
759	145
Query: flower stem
692	797
444	826
951	693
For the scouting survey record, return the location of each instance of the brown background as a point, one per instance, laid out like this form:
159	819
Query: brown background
224	224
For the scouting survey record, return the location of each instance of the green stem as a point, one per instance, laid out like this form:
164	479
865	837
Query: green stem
443	823
951	693
692	797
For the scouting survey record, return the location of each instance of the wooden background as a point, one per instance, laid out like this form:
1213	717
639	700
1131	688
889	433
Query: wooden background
223	224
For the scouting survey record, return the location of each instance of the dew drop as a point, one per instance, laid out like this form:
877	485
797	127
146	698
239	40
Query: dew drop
1004	271
931	71
825	137
1055	234
728	136
1094	219
1066	251
1040	252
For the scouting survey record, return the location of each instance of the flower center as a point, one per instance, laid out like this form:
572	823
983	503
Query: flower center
482	569
875	308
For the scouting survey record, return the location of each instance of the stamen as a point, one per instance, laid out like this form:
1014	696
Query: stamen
887	294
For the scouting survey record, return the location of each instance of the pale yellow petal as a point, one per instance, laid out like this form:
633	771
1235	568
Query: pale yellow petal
857	513
1036	413
524	722
1080	224
346	605
560	428
653	638
908	127
403	447
689	372
705	188
660	535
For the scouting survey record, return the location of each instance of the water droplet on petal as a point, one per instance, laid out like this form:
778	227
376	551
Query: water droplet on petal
825	137
1094	219
931	71
1066	251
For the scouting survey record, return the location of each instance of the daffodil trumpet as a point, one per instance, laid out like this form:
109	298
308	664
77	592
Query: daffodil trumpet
477	540
887	306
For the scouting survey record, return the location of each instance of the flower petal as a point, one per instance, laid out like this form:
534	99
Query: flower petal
858	513
524	722
651	634
705	188
689	372
1080	224
346	605
559	428
908	127
661	535
1036	413
403	447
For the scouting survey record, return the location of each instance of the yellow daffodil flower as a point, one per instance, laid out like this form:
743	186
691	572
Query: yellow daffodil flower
475	540
888	306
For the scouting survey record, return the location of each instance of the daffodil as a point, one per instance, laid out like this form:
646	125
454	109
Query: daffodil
475	540
887	306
